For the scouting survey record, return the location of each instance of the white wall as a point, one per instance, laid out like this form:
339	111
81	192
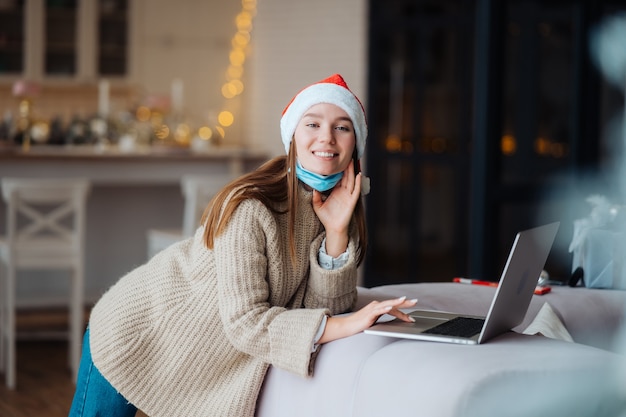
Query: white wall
185	39
296	43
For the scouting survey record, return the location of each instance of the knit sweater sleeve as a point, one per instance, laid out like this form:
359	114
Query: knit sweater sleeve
255	297
334	289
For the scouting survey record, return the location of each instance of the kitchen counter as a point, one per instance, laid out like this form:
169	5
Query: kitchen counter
112	165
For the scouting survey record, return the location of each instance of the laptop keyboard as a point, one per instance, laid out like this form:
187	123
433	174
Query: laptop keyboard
458	326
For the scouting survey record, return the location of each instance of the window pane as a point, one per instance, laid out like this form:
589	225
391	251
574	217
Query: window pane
61	42
420	128
11	37
113	37
539	91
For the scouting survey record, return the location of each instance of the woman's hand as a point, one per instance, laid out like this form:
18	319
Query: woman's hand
339	327
336	210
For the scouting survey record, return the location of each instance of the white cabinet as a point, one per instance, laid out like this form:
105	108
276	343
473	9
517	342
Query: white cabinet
64	39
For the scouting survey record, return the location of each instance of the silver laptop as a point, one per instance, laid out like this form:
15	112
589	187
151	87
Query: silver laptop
508	307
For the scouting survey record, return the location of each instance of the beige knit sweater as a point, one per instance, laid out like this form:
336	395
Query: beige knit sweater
193	331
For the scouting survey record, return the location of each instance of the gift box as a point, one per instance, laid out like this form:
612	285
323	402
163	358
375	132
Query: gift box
601	257
599	246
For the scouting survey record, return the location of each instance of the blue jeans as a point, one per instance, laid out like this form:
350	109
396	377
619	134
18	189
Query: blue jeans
95	396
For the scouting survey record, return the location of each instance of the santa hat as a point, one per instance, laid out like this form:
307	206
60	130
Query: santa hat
332	90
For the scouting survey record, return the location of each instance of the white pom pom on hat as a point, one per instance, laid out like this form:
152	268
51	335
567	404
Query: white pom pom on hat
332	90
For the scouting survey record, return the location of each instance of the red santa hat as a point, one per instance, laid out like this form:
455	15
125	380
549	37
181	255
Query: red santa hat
332	90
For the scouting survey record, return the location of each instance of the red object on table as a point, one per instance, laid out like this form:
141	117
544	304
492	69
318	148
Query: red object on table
539	289
474	282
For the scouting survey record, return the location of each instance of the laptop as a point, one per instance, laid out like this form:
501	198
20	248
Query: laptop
508	308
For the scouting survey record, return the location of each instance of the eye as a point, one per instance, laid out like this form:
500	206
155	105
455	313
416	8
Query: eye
312	124
343	128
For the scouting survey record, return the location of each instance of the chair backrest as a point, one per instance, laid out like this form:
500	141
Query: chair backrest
45	215
198	191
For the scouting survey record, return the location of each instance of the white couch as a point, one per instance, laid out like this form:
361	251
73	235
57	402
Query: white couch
511	375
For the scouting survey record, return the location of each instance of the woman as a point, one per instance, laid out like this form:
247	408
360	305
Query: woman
193	331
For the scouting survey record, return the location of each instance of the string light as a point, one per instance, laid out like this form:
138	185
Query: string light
233	85
225	118
508	144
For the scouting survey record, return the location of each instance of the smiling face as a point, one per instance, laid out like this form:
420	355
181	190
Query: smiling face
325	139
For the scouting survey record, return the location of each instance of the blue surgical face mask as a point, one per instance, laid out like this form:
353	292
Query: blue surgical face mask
317	181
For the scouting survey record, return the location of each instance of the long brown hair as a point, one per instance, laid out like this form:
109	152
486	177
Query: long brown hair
273	182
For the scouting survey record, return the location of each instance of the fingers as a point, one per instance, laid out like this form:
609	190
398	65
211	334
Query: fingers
402	316
317	198
357	184
350	169
346	193
392	307
354	183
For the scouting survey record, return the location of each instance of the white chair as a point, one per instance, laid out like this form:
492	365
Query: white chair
197	192
45	230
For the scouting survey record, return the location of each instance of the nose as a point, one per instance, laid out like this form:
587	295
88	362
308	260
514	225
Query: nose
326	134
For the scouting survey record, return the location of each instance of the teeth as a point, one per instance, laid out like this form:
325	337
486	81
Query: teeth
325	154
